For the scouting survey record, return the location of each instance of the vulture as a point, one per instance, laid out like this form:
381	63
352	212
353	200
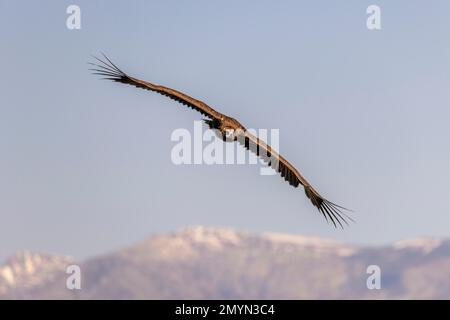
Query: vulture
230	130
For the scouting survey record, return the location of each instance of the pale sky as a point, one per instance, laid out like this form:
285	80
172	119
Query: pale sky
85	165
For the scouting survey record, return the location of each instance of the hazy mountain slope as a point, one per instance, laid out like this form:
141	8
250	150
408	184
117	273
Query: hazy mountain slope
208	263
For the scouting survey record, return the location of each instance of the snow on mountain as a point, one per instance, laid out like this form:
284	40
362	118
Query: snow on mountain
27	269
219	238
426	245
317	244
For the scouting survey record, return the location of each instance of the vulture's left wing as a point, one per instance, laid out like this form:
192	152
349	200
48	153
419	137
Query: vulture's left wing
291	175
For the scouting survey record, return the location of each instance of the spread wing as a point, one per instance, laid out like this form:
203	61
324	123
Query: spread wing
328	209
111	72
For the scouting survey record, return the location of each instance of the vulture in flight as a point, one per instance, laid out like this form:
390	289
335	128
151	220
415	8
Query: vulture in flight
230	129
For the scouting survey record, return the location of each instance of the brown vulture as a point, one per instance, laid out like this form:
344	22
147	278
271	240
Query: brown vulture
231	130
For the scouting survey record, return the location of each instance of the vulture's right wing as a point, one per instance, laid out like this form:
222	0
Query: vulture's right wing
111	72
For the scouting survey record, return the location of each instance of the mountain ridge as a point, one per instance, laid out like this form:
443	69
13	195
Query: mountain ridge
222	263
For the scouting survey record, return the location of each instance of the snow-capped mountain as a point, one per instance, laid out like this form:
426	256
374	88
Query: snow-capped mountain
215	263
26	270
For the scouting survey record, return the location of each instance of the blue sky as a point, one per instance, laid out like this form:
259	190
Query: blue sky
85	164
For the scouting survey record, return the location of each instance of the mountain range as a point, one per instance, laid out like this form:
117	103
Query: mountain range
218	263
